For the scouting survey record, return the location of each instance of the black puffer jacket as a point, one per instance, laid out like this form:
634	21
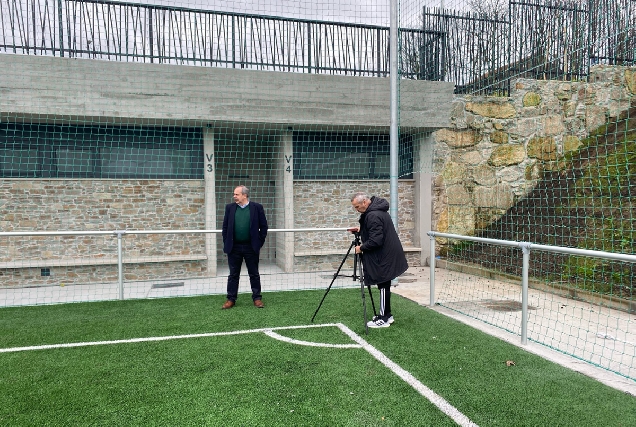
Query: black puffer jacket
382	253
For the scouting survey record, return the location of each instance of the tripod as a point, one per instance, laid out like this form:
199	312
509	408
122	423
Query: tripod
358	274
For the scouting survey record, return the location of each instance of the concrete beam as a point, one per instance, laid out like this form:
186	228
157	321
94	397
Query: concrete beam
79	90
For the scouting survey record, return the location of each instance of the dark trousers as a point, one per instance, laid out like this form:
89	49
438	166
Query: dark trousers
385	298
235	259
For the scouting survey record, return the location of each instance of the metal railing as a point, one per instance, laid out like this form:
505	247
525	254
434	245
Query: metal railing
120	234
526	248
481	54
133	32
539	39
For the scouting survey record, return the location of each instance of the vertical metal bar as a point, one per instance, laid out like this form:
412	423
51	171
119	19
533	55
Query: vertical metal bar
590	26
432	264
35	43
393	35
150	36
525	247
379	52
60	27
120	264
509	58
309	47
233	43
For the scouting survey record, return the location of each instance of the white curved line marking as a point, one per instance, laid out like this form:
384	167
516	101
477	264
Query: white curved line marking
153	339
429	394
272	334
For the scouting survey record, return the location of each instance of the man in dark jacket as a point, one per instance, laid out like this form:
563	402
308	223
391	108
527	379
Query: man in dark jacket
383	256
244	232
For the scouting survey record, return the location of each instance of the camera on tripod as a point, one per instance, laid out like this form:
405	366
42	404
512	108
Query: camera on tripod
358	274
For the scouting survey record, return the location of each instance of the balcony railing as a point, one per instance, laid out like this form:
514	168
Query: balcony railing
133	32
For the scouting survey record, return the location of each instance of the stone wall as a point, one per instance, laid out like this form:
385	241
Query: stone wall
99	205
497	149
326	204
109	205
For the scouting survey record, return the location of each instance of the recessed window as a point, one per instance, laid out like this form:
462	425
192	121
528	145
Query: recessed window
43	151
17	161
348	155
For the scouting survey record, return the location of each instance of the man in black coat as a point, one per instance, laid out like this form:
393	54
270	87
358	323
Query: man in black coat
383	256
244	232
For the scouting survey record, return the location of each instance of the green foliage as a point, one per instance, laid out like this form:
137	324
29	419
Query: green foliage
602	192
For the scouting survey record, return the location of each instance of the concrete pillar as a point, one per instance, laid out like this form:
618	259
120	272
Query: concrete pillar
423	173
285	198
210	199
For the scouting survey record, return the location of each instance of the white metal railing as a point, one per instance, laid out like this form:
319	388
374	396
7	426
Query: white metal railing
526	248
121	233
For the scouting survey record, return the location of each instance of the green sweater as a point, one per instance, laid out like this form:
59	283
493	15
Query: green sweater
242	225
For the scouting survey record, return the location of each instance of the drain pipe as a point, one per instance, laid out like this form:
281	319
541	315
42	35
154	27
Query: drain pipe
120	264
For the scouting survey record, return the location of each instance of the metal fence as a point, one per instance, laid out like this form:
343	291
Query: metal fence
540	39
480	53
109	266
589	326
131	32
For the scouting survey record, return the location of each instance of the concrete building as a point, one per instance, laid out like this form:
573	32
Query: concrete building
101	145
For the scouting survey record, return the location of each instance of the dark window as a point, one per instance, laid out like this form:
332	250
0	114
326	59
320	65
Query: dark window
348	155
35	150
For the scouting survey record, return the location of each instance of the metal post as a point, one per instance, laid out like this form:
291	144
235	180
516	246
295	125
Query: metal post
150	36
431	262
309	47
233	43
60	28
525	247
393	35
120	264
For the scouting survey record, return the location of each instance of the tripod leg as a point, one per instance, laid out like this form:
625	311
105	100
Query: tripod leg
364	306
358	263
375	313
335	276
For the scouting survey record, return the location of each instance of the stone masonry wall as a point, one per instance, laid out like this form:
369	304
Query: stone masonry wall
324	204
98	205
497	149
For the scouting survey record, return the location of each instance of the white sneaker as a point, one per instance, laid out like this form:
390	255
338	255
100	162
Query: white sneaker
389	321
378	322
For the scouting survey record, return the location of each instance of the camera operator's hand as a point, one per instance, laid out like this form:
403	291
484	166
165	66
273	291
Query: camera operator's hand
358	250
353	230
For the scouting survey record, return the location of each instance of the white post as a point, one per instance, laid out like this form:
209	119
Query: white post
287	145
432	274
393	130
209	174
120	264
525	248
423	194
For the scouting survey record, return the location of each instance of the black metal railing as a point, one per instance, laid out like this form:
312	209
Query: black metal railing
479	53
133	32
544	39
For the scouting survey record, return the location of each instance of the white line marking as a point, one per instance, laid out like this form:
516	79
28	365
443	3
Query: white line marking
433	397
429	394
272	334
152	339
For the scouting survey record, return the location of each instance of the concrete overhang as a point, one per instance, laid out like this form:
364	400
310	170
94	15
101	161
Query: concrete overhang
52	89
